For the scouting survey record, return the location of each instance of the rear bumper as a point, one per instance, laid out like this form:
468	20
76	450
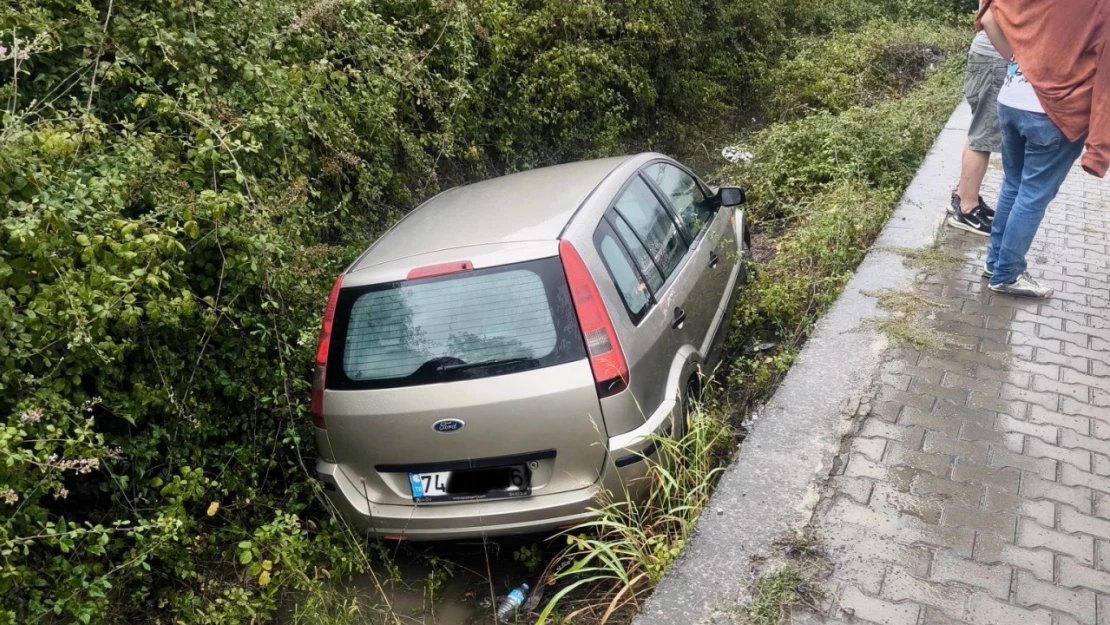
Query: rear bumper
452	521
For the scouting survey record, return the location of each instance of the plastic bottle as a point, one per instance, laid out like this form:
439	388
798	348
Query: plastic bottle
509	605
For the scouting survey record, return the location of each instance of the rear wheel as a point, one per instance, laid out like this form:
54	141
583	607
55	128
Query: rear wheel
686	407
747	264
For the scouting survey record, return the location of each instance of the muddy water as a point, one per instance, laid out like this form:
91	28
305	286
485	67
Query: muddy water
455	583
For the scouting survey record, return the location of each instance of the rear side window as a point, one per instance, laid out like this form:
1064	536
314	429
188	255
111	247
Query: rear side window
634	291
462	326
686	195
652	226
640	255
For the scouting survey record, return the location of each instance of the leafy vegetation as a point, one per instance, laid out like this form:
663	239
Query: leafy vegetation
179	182
822	188
881	61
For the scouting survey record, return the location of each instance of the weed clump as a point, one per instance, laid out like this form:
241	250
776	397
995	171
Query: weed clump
903	327
775	595
794	579
931	258
903	331
902	302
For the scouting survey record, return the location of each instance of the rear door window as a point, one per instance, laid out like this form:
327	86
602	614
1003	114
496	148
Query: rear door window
686	195
462	326
628	280
652	226
640	255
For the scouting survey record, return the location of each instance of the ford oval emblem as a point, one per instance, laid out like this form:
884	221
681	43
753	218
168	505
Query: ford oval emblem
446	426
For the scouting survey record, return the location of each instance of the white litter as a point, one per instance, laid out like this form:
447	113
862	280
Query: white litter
734	154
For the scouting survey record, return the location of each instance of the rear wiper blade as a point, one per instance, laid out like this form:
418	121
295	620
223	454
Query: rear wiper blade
463	366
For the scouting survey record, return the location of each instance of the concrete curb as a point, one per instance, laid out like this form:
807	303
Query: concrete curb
771	488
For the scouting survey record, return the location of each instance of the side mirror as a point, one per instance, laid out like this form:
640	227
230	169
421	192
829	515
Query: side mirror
729	196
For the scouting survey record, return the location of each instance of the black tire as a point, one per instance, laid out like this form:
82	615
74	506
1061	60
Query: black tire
747	267
686	408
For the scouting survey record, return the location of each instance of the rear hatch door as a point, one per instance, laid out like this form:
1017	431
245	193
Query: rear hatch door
483	367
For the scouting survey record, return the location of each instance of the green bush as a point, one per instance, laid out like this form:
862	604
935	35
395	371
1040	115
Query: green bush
880	147
882	60
826	16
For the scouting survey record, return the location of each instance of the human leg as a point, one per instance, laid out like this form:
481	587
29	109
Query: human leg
1013	161
982	81
1047	159
973	168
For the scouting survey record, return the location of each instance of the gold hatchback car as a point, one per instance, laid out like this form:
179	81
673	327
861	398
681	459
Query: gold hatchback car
498	362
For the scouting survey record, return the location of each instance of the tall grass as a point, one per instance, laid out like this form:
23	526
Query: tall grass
617	558
328	606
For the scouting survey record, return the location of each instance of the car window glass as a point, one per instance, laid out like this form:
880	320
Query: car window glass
652	225
470	318
686	195
639	253
632	288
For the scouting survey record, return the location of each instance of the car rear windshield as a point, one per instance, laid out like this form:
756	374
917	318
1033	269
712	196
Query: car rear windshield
462	326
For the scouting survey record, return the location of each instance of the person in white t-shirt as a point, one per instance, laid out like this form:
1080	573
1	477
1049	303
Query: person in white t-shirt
1036	158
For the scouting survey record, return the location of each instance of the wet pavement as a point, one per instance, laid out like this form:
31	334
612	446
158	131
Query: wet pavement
976	488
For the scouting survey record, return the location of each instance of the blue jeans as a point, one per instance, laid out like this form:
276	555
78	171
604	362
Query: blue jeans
1036	158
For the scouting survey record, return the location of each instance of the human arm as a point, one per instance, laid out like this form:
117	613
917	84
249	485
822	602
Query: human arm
994	33
1097	157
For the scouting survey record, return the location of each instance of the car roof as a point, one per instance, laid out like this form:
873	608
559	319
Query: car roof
533	205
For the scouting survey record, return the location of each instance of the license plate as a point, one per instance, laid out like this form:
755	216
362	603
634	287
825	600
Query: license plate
495	483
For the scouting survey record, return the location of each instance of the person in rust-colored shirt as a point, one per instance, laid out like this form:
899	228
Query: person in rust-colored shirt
1055	100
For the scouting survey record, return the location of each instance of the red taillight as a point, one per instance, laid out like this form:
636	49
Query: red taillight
320	371
606	358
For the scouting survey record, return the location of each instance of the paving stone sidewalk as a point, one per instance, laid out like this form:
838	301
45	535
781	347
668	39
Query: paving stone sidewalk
977	488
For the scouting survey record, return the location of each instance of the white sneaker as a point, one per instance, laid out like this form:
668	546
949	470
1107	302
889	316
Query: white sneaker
1024	286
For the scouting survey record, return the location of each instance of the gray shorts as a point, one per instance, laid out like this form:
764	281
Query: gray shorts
982	81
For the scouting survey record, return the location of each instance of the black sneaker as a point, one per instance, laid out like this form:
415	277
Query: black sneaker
976	221
987	210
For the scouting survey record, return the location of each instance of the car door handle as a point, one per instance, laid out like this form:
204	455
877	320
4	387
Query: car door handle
679	318
713	260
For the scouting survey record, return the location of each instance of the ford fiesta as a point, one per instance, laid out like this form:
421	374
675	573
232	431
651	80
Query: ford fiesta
500	359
